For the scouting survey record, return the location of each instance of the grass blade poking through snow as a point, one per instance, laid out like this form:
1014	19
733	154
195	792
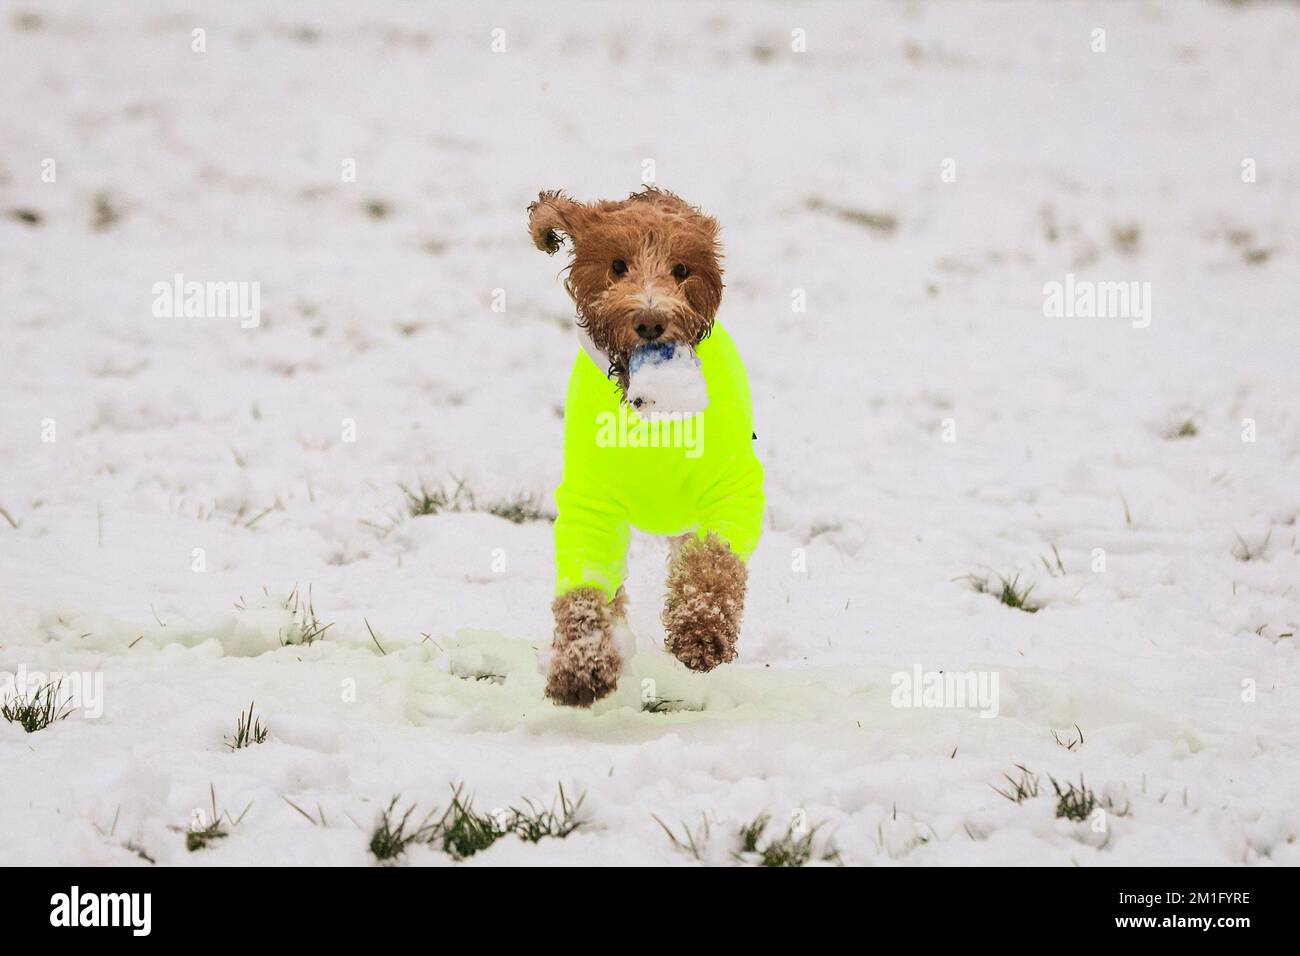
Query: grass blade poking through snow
307	627
665	705
463	831
520	509
1079	802
248	731
200	833
1007	590
1026	788
789	849
1068	742
1245	551
752	832
691	842
39	710
391	836
423	500
534	825
1074	803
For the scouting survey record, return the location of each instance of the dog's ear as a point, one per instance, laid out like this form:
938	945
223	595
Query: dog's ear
552	214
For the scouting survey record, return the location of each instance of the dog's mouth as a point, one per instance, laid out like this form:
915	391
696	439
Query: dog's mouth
617	335
620	363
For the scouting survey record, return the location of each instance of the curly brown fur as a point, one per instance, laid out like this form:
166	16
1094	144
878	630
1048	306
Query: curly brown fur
584	662
706	598
651	260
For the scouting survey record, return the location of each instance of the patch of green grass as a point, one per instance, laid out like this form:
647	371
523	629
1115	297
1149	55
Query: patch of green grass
1074	803
666	705
1182	429
881	222
1025	788
788	850
1012	595
391	835
199	836
750	833
425	500
520	509
198	839
1007	590
248	731
791	849
38	711
462	831
534	824
307	627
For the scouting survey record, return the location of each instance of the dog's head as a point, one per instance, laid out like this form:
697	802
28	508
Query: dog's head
646	268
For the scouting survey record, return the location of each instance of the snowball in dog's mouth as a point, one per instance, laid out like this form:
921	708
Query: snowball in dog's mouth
665	378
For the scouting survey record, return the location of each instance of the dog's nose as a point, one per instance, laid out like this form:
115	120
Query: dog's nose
649	332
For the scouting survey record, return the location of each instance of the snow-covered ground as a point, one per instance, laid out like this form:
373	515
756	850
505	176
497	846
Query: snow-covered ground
916	176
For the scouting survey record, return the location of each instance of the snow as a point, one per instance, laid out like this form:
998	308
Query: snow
919	416
666	381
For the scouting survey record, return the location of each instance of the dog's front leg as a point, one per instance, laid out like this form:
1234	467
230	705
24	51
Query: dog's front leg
706	598
585	660
591	539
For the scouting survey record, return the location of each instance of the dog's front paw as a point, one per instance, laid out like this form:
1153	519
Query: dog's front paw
706	598
584	662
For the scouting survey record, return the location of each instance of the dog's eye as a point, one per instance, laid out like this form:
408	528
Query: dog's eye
619	267
680	272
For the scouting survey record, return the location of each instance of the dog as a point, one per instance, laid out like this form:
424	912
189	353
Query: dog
646	269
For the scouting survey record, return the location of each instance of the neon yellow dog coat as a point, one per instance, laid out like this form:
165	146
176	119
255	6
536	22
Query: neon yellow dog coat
694	473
